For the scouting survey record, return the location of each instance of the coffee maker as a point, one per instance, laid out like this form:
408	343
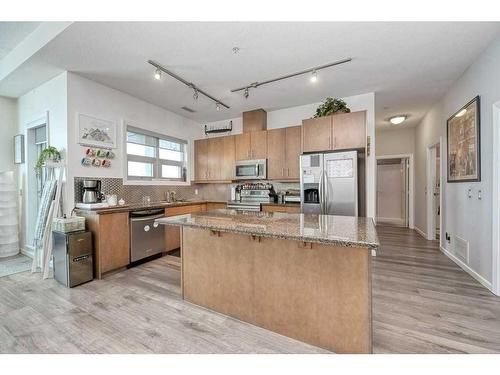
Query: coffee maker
92	191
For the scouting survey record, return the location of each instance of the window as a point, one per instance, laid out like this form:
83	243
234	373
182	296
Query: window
152	156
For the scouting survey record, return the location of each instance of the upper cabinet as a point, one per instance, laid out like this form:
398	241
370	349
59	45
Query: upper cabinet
250	146
337	132
283	153
214	159
254	121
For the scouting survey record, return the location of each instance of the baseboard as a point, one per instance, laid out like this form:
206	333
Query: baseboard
466	268
390	220
27	252
420	231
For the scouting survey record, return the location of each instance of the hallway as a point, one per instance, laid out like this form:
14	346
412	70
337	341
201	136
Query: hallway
424	303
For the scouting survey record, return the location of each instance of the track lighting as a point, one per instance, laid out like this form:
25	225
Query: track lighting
245	93
158	74
195	94
217	106
314	76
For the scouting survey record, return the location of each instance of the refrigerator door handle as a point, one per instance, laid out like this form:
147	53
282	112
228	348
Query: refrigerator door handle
321	193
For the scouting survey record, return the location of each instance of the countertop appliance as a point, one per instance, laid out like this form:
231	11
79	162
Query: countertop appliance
251	169
91	191
73	258
251	196
292	196
147	238
329	183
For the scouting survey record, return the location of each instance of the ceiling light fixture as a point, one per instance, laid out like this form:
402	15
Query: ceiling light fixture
314	76
310	70
396	120
191	85
217	106
461	113
158	74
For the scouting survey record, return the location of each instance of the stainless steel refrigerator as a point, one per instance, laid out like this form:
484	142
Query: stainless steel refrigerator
329	183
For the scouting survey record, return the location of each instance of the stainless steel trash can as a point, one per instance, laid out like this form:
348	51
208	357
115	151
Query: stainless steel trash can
73	258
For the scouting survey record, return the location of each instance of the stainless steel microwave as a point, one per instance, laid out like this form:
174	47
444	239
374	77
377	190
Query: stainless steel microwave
251	169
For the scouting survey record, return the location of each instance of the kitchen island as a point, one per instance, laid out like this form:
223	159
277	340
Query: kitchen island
304	276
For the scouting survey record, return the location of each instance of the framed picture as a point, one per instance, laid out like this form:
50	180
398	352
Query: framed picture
96	132
464	143
19	149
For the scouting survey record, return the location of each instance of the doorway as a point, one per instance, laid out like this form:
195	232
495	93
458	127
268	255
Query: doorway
433	191
394	191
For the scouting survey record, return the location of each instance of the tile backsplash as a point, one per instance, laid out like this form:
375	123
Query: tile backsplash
134	193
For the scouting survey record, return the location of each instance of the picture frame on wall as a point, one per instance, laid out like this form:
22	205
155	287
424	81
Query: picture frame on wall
19	149
464	143
96	132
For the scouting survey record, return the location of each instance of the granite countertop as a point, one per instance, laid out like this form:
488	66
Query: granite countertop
142	206
346	231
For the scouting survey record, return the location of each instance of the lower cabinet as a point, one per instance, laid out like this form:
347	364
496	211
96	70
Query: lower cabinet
173	234
286	209
110	233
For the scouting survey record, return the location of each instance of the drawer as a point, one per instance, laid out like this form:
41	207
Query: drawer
182	210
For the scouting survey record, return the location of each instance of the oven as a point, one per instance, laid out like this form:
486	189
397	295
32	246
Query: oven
251	169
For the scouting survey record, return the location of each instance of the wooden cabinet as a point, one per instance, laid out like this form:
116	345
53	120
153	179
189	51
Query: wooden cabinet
349	130
201	159
285	209
293	151
214	159
338	132
110	234
283	153
316	134
254	121
173	234
249	146
215	206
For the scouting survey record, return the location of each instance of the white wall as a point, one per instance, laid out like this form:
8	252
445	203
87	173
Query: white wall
395	141
8	127
470	219
49	97
91	98
293	116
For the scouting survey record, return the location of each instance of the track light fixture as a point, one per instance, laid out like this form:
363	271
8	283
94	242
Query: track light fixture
196	89
158	74
314	76
312	70
217	106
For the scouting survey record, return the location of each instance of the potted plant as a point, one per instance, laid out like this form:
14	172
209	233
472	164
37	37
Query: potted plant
331	106
49	154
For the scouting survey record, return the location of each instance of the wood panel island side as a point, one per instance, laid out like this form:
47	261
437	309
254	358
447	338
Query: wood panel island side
304	276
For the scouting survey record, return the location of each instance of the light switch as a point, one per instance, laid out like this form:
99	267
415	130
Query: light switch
479	194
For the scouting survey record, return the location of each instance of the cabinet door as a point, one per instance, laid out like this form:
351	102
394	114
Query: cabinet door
316	134
228	158
173	234
293	151
242	146
258	145
201	159
349	130
276	154
214	157
114	241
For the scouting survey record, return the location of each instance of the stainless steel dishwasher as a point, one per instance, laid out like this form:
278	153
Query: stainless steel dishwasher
147	239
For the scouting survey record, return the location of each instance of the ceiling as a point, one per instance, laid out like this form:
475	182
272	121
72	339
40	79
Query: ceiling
13	33
408	65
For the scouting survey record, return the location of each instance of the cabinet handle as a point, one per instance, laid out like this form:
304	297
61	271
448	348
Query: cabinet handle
288	172
329	142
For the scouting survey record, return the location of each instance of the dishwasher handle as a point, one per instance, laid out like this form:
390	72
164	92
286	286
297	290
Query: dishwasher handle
146	218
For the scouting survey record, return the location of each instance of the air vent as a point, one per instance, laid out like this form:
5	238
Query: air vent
461	249
188	109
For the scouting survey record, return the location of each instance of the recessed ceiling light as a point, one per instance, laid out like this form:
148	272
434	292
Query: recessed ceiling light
236	50
396	120
158	74
461	113
314	76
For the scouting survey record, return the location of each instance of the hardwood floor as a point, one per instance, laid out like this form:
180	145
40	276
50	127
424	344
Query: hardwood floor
422	303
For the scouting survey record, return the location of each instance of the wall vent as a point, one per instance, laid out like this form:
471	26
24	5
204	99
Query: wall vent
188	109
461	249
